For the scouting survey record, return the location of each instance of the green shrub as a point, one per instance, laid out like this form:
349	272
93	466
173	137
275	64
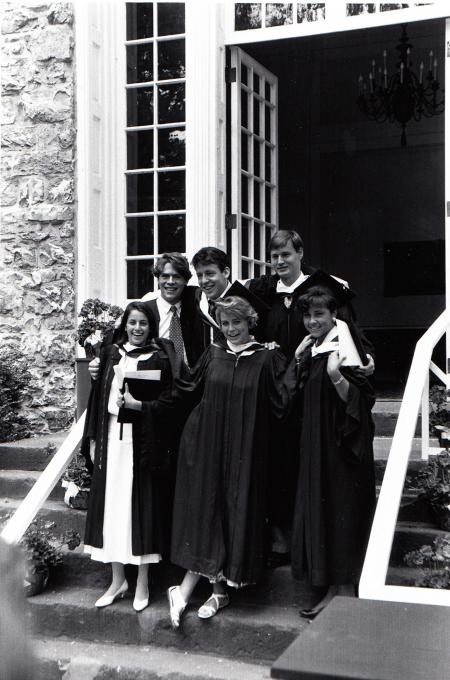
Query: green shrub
14	380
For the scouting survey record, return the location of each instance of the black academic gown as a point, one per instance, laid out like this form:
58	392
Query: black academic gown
154	445
336	485
220	507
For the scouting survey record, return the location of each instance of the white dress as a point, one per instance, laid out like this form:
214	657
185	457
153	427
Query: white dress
119	484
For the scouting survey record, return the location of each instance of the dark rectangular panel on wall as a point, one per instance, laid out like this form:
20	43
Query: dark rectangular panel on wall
414	268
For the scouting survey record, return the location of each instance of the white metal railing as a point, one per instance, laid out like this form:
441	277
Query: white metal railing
16	526
425	409
373	578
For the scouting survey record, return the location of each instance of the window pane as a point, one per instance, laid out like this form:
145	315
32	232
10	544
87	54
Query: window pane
256	158
256	83
267	91
268	168
171	59
244	76
278	14
257	270
244	109
244	237
140	236
244	194
255	116
268	237
139	63
172	147
257	243
139	149
171	192
171	233
171	103
170	18
139	20
268	131
244	151
247	15
268	204
245	270
256	200
140	106
139	278
140	193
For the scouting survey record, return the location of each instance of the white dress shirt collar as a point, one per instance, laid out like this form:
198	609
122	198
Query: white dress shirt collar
282	288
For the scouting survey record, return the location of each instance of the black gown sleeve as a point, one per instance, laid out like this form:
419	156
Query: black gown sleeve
355	429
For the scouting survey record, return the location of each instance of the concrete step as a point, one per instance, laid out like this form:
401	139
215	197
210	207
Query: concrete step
30	454
17	483
64	657
244	630
371	640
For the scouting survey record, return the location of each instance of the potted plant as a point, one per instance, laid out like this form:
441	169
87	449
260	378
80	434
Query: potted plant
433	563
43	553
77	481
96	319
434	483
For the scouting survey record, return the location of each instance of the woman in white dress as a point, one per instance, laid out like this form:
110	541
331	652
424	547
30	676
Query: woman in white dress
127	443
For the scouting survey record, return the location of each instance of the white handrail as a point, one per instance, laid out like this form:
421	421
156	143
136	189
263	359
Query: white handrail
38	494
376	563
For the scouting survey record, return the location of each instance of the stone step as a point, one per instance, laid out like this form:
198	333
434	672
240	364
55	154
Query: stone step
402	576
30	454
245	630
277	587
382	446
385	413
64	657
17	483
64	517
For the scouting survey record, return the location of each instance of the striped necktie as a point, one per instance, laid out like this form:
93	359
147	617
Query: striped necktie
216	332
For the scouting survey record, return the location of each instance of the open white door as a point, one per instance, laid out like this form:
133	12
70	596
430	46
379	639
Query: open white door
254	163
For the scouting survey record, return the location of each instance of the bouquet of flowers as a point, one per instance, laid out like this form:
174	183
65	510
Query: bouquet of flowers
96	319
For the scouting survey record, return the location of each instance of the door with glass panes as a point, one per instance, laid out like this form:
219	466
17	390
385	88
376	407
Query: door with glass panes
254	164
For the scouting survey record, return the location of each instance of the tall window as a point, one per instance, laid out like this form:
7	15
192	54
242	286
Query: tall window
156	130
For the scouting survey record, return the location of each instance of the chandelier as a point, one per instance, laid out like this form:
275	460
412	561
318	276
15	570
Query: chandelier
402	96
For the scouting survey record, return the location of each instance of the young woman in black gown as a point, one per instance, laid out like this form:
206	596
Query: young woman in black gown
125	518
336	487
220	509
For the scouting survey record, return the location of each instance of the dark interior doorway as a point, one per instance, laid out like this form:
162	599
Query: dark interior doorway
368	210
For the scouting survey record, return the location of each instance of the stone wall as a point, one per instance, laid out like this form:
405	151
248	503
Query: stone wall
37	241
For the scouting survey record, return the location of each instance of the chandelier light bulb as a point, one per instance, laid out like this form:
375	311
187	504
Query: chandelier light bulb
404	96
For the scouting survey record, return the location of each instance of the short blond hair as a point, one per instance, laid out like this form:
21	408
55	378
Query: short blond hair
240	307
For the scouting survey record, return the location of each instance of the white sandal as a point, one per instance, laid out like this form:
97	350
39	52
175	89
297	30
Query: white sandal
177	605
212	605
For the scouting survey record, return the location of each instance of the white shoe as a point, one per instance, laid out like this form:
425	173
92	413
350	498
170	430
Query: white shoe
177	605
212	605
106	600
139	605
